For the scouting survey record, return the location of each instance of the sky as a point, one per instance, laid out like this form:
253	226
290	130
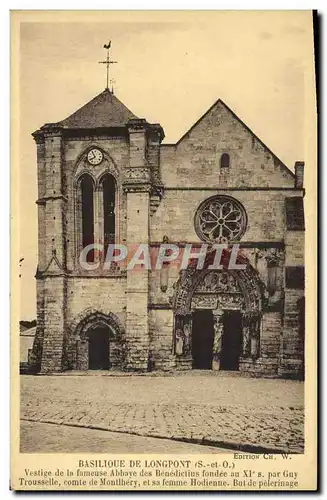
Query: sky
171	68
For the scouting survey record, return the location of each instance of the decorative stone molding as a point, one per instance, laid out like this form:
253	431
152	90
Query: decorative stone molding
204	301
44	199
183	336
217	281
246	283
73	135
79	174
137	124
91	318
270	264
218	325
138	187
48	130
251	334
113	272
77	350
107	166
219	290
137	174
273	256
54	267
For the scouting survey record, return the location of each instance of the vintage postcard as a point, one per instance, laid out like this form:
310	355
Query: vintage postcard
163	207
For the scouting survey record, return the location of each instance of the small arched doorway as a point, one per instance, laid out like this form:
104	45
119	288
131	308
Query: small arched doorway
99	342
99	348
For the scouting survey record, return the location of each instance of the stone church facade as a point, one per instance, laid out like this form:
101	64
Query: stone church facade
104	176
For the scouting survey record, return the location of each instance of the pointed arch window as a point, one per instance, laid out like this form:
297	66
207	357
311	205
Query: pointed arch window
224	161
87	214
109	204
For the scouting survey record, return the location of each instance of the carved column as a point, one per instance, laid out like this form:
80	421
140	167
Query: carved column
246	336
98	222
178	341
218	325
78	227
164	272
255	336
100	216
183	341
251	334
188	335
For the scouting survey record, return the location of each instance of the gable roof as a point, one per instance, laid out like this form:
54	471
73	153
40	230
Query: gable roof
220	101
104	110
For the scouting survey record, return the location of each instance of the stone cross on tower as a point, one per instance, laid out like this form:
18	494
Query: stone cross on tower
107	62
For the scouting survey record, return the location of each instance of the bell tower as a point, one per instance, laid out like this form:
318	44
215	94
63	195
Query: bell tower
99	181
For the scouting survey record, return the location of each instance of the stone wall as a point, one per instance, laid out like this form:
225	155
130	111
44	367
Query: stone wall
161	323
54	324
137	326
292	348
270	336
175	214
107	294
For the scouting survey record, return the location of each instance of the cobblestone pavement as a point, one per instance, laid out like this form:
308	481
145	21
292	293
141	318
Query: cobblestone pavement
36	437
227	411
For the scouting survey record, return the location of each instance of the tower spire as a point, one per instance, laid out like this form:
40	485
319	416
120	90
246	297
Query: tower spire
107	62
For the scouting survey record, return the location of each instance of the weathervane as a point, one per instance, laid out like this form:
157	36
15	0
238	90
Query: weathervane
107	62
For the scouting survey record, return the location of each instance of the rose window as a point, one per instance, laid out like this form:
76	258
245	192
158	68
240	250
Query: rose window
220	219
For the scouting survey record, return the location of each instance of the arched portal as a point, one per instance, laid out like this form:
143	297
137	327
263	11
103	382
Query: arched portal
98	344
217	317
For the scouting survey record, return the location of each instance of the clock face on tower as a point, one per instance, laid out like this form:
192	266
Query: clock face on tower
94	156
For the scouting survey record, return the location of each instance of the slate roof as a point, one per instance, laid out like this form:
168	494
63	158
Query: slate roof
104	110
